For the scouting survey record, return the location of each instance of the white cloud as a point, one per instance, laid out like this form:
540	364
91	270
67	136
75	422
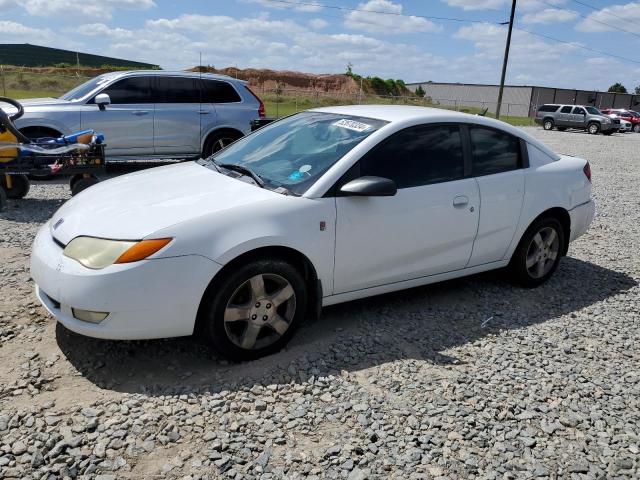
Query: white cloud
318	23
629	11
550	15
100	29
389	22
84	8
504	5
14	32
311	6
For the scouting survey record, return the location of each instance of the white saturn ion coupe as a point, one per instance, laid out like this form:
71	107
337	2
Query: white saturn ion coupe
322	207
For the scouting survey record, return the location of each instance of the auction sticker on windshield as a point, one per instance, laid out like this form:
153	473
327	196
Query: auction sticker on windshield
352	125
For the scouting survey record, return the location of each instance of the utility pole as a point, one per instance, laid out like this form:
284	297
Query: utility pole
506	59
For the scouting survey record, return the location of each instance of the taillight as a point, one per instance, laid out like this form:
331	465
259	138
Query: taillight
261	112
587	171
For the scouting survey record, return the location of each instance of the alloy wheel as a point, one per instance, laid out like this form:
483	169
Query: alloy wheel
260	311
542	252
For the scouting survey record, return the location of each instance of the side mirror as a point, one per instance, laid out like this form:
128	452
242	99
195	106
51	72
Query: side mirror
102	100
370	187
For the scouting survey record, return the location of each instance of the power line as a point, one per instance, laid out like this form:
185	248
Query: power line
379	12
616	28
597	9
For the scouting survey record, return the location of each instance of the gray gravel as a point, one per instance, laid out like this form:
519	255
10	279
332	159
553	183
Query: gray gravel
472	378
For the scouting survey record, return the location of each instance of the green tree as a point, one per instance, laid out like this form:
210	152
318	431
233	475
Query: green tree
638	90
349	72
420	91
617	88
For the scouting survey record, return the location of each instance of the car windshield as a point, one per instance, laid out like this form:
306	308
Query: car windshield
86	88
296	151
593	111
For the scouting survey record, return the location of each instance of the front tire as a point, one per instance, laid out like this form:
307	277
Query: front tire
254	310
538	254
593	128
83	183
19	186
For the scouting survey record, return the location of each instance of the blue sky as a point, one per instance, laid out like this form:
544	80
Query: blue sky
313	38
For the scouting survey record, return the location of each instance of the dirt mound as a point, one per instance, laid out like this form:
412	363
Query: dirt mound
288	80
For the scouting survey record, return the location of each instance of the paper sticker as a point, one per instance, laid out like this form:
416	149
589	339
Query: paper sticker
297	175
352	125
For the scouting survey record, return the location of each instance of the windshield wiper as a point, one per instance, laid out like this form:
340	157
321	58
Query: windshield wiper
241	169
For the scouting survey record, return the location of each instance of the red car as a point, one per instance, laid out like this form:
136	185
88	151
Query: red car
628	115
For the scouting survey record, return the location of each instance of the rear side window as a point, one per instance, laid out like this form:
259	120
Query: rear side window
214	91
129	90
177	90
566	109
493	151
548	108
417	156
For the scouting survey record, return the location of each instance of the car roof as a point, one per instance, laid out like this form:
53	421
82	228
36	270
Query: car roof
414	115
171	73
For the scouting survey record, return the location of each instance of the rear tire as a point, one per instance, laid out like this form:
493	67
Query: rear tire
593	128
19	186
254	310
218	141
3	199
82	184
538	254
548	124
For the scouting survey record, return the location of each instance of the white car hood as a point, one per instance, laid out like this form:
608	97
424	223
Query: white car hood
134	206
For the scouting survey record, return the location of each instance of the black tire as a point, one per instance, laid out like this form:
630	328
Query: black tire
218	141
562	129
19	186
221	292
82	184
636	128
74	179
548	124
593	128
520	273
3	199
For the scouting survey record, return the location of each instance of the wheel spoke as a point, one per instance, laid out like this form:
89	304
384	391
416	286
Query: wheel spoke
538	239
552	255
550	239
257	287
282	295
250	335
235	313
531	260
279	324
540	267
220	144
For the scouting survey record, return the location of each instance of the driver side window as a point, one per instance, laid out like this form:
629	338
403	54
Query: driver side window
129	91
417	156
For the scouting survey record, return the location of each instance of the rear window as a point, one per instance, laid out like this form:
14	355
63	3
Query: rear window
549	108
566	109
177	90
214	91
493	151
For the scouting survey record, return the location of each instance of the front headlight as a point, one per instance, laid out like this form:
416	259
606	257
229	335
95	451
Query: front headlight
97	253
607	120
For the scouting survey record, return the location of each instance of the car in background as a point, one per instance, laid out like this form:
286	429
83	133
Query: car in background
583	117
150	114
625	126
312	210
627	115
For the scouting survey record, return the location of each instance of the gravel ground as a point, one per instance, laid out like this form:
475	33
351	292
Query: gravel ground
472	378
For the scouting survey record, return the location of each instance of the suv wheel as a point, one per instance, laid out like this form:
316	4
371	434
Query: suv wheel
218	141
548	124
593	128
254	310
538	253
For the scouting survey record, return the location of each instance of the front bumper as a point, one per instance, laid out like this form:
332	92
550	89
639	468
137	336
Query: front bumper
155	298
581	217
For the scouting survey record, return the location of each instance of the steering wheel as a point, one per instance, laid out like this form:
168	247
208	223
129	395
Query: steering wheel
6	121
16	104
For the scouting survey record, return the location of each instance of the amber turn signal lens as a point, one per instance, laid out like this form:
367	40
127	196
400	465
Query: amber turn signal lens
142	250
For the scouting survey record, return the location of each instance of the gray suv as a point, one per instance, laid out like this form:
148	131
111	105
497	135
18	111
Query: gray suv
583	117
150	114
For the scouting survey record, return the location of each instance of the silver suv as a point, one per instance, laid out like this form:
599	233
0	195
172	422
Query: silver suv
583	117
150	114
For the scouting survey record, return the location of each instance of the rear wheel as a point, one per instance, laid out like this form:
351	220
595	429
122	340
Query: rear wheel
3	199
253	311
19	186
83	183
593	128
538	253
548	124
218	141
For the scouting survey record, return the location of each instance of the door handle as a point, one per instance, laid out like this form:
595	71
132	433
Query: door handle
139	113
204	112
460	201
